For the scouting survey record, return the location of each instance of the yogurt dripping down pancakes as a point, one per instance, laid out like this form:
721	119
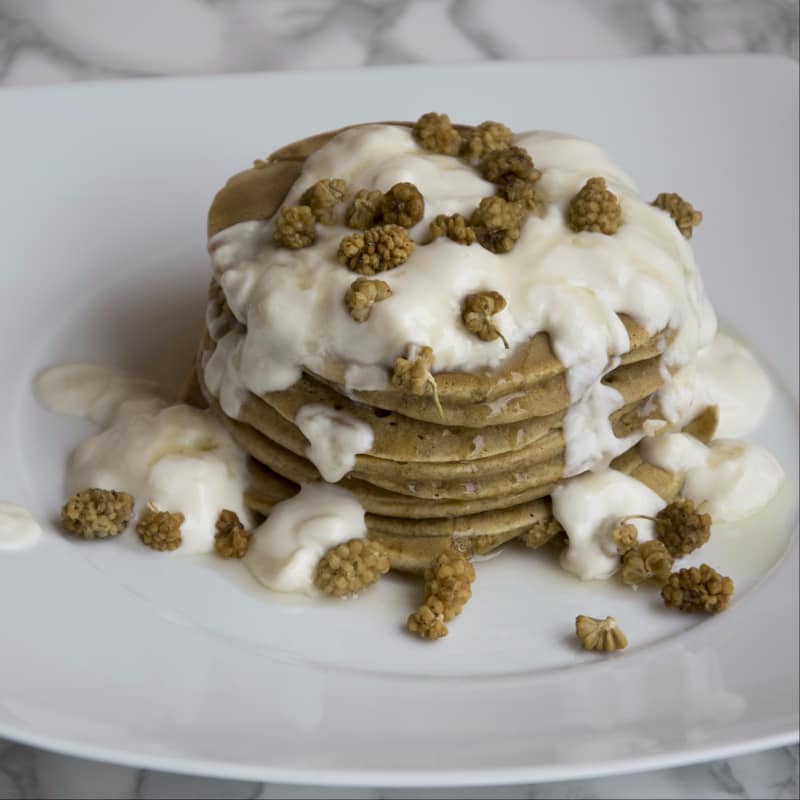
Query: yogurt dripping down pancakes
466	456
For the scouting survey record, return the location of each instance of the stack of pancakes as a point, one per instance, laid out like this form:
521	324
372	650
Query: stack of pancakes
475	474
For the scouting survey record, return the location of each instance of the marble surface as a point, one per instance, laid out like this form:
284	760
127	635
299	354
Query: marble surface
48	41
53	41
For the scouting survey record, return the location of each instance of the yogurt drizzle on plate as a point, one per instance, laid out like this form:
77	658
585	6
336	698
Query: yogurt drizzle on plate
730	479
178	457
298	531
18	528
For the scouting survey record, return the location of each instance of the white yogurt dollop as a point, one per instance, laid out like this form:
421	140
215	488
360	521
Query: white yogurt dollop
729	376
18	529
737	480
285	549
92	391
589	506
177	457
731	478
588	434
725	374
676	452
335	438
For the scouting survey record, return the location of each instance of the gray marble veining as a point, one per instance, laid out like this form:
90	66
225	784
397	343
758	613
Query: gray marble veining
47	41
52	41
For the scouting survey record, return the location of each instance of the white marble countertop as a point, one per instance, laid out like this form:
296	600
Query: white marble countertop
52	41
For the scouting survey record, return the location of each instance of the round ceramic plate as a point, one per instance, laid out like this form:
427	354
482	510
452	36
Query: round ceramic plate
115	652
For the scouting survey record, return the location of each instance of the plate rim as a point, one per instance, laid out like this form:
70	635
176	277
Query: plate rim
478	777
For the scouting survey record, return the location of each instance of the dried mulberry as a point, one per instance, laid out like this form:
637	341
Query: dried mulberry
682	211
376	249
682	528
413	375
350	567
649	561
160	530
364	210
497	223
230	540
697	589
524	194
295	227
428	622
600	634
323	197
454	227
447	589
435	132
625	536
402	205
500	166
477	311
97	513
595	209
362	294
485	138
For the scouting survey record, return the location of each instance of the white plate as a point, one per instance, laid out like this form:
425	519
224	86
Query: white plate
113	652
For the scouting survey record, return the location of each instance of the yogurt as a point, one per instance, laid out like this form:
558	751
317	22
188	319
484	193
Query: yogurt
177	457
285	549
335	438
731	479
18	528
589	507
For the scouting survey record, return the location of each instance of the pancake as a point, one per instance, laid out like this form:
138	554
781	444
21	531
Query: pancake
257	193
472	467
402	438
529	471
412	543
